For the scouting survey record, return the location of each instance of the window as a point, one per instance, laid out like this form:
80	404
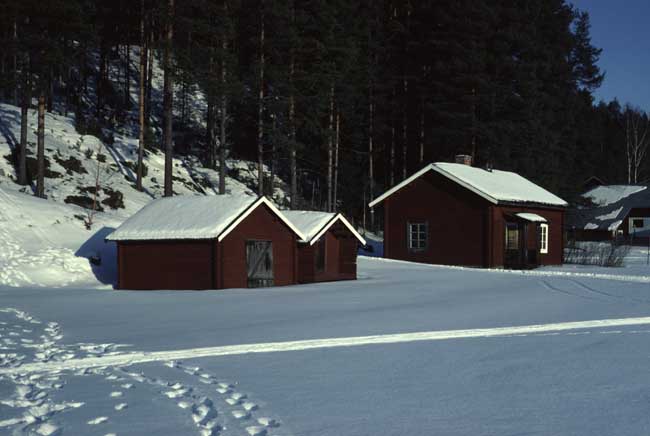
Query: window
320	255
512	236
543	238
637	223
418	235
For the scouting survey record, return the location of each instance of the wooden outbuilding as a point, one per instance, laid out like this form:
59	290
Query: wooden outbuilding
328	251
457	214
207	242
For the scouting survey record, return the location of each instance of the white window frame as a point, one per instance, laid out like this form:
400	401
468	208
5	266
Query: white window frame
409	235
543	240
632	229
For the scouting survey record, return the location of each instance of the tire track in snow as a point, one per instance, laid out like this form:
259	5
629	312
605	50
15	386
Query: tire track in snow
550	287
125	359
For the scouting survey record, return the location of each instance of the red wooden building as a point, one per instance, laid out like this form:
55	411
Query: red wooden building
211	242
328	251
456	214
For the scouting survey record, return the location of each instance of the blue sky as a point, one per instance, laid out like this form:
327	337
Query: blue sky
621	30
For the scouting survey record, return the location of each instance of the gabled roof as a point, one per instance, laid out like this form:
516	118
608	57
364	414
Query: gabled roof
612	204
313	225
192	217
493	185
608	194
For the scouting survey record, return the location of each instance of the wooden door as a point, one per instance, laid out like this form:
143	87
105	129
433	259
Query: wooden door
259	263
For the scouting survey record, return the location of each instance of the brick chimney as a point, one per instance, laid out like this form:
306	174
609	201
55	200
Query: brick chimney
464	159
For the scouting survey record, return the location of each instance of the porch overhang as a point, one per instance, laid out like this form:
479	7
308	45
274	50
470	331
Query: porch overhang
531	217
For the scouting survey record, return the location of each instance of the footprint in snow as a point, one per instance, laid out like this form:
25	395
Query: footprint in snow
241	414
48	429
268	422
256	430
98	420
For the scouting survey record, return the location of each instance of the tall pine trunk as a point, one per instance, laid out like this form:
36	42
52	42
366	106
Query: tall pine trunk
293	167
336	161
405	130
127	77
168	96
260	110
422	134
148	105
15	61
143	67
50	90
330	146
40	151
101	77
224	116
24	114
211	134
371	157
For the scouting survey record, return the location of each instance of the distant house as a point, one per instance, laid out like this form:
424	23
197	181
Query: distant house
612	212
328	251
456	214
207	242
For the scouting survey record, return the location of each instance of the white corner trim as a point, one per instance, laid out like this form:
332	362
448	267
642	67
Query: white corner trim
337	217
251	208
399	186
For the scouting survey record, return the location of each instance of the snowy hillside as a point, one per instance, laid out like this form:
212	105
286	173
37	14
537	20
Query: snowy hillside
40	240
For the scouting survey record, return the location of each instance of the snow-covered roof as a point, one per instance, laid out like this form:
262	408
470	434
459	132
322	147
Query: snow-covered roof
532	217
314	224
612	204
494	185
192	217
608	194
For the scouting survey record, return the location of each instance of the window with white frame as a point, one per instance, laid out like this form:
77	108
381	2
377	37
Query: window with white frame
543	238
418	235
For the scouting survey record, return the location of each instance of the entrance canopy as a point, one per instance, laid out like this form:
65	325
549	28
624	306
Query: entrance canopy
531	217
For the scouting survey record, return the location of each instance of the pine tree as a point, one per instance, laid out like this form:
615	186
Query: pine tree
168	98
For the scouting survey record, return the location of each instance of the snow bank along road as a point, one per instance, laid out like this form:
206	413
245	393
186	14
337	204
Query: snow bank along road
124	359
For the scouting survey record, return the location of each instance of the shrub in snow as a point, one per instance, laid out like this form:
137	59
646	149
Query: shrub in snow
611	254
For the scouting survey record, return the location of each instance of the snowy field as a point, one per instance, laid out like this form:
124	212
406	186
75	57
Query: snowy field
405	350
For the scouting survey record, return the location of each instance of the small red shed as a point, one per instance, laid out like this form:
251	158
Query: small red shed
206	242
456	214
328	251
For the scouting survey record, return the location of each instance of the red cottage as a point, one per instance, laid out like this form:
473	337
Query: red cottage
328	251
209	242
456	214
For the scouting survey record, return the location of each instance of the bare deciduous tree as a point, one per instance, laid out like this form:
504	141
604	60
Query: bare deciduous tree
636	141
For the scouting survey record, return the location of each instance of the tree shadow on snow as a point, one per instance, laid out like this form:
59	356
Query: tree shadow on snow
102	256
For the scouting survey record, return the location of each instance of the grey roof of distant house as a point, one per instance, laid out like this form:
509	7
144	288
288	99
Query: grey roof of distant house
607	217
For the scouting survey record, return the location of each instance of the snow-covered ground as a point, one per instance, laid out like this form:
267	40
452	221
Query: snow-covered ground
406	349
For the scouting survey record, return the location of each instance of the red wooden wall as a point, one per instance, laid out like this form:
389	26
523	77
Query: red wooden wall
340	257
464	228
261	225
165	264
208	264
457	220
